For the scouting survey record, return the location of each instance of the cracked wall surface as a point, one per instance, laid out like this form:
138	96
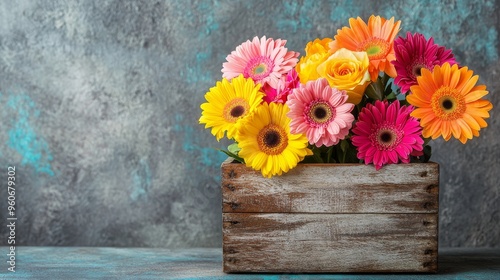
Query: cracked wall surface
100	105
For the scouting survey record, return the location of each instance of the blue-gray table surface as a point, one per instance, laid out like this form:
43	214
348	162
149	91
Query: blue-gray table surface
206	263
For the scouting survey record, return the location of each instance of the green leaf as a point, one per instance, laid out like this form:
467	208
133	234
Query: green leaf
385	79
373	91
344	145
391	96
341	152
404	102
329	154
317	155
235	156
234	148
349	152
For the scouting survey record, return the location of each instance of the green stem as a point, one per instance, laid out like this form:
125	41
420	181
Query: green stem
317	155
329	154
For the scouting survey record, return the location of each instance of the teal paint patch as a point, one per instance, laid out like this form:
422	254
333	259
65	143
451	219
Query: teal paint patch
287	20
23	138
451	26
488	44
206	156
141	179
197	70
341	13
208	9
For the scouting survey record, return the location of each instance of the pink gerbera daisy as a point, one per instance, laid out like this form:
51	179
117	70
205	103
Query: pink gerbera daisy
285	87
320	112
385	134
263	60
414	53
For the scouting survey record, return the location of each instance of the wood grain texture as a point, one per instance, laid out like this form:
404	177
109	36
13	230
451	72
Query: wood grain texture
332	188
329	242
331	218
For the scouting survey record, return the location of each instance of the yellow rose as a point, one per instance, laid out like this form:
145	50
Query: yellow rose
318	46
316	53
347	70
307	67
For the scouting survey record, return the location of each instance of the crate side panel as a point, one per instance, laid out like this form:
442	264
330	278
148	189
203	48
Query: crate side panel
403	188
277	242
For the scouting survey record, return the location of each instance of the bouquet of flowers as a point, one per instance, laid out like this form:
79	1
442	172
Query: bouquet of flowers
363	96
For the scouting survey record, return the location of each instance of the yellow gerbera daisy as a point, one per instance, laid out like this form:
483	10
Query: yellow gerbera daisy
267	144
449	103
229	103
375	38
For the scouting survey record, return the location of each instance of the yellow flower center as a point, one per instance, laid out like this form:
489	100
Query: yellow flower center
376	48
272	139
448	104
235	109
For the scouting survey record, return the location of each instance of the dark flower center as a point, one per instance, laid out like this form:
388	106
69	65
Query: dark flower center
386	137
320	113
237	111
447	104
418	71
272	138
415	68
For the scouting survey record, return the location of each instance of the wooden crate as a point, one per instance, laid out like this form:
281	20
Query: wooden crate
331	218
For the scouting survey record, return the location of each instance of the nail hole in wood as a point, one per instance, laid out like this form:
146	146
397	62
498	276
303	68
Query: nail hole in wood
428	205
423	174
426	223
430	188
230	187
428	251
232	174
234	205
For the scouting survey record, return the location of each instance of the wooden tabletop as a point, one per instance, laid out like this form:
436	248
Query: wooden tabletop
205	263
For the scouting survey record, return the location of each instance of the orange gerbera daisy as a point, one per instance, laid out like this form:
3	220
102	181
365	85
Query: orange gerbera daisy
376	39
449	103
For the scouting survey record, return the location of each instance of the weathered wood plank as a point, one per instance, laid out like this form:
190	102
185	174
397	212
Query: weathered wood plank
254	242
332	188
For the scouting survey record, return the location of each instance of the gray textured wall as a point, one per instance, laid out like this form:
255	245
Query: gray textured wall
100	100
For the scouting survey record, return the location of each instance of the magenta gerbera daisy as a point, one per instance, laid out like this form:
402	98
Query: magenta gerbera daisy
285	87
263	60
320	112
386	134
414	53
